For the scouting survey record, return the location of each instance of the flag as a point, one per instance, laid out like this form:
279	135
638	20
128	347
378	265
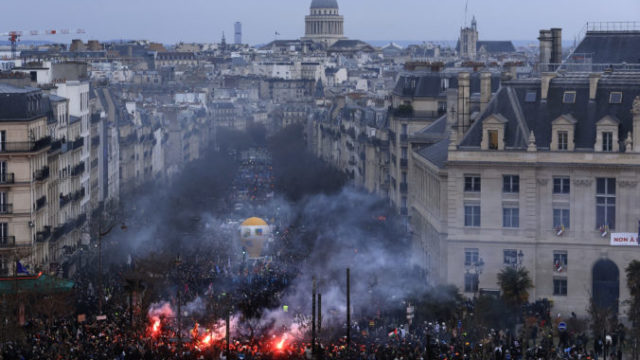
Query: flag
20	269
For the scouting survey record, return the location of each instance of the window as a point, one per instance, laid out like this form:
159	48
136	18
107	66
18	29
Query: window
560	260
405	153
442	107
472	183
607	141
606	202
472	215
470	282
560	287
404	177
615	97
493	139
404	129
511	217
569	97
3	171
563	140
531	96
511	183
404	201
470	257
510	257
561	185
4	233
561	218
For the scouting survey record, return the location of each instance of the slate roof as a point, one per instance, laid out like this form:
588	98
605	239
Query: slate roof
609	47
493	47
496	47
430	84
537	116
436	153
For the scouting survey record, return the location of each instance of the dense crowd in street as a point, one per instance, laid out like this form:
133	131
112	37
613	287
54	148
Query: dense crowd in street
244	288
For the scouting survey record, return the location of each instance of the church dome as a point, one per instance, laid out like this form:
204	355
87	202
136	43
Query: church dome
324	4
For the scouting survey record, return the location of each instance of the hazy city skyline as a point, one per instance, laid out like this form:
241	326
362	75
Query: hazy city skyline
169	22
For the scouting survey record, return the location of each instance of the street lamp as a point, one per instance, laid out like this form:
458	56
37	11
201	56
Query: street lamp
178	262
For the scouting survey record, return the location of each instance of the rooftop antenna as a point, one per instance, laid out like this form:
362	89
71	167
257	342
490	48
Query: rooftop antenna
466	10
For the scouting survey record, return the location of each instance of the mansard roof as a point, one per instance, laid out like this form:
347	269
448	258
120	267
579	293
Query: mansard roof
609	47
537	116
430	84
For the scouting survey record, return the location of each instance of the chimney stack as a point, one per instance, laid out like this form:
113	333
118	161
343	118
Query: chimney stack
463	103
485	90
594	79
556	50
546	78
546	45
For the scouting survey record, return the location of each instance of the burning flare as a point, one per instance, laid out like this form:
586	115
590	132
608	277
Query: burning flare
281	343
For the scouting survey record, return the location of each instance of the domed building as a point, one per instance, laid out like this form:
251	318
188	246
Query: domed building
324	24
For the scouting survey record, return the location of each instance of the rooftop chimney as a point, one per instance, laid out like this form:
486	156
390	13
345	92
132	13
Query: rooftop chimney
594	79
464	92
485	90
546	45
556	50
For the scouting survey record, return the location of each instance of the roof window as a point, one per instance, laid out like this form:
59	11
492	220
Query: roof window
569	97
531	96
615	97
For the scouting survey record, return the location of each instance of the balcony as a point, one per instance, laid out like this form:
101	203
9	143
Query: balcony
79	195
41	202
65	200
42	174
7	178
78	169
77	144
24	146
404	188
42	236
404	162
6	209
7	242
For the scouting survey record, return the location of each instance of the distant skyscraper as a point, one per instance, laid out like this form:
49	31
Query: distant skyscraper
237	39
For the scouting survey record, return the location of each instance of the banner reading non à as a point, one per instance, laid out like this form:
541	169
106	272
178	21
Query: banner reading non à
624	239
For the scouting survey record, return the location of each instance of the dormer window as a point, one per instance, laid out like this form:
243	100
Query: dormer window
607	141
562	132
493	129
563	140
569	97
493	139
615	97
607	134
530	97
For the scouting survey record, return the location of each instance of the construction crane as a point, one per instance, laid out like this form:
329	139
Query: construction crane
15	35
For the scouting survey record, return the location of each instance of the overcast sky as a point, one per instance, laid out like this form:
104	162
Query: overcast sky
170	21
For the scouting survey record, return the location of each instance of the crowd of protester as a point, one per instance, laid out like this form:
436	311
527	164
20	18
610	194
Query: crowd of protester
105	322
